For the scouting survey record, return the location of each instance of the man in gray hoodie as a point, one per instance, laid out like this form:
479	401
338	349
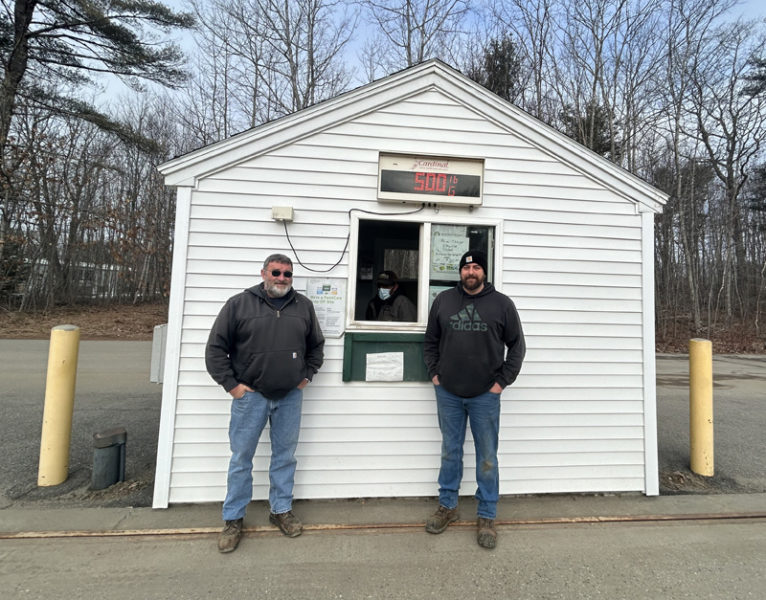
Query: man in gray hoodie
264	348
474	347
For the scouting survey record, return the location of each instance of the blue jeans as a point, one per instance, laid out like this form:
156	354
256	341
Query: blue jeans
249	416
483	414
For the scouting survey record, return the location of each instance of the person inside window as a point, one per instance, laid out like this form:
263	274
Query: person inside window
390	304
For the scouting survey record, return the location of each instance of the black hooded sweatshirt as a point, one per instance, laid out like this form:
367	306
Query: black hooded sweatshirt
467	337
267	348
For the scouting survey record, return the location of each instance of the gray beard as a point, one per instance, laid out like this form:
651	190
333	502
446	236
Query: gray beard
274	291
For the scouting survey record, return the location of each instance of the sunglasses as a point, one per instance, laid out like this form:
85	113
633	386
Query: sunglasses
277	273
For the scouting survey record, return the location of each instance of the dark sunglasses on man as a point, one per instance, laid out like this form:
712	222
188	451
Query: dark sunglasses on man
277	273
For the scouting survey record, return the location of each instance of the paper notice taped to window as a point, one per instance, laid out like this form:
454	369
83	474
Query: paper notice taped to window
385	366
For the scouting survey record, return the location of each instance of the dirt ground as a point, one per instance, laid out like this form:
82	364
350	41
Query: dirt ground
736	339
116	322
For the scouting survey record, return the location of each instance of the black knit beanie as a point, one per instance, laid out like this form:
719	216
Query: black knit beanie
474	256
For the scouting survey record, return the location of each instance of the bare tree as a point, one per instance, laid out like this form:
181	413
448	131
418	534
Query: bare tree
412	31
64	160
206	109
266	58
533	24
371	56
140	225
688	24
629	95
731	125
755	200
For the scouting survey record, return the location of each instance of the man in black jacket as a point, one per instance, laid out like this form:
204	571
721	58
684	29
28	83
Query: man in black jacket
264	348
474	347
389	304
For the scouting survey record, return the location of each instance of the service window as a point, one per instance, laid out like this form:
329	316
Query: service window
411	261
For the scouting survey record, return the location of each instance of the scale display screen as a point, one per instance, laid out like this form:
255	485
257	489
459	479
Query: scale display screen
438	180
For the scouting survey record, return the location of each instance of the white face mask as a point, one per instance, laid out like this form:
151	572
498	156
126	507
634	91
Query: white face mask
384	293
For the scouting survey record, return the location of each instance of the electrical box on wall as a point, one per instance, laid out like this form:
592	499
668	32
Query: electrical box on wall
282	213
430	179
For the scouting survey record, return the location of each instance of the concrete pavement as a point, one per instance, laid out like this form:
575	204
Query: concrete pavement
615	561
567	548
372	514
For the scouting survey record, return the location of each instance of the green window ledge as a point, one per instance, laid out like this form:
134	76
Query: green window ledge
357	346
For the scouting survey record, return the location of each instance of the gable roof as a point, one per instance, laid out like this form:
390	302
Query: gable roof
433	74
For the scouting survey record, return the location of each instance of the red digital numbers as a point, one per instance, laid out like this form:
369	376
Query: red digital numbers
435	183
453	185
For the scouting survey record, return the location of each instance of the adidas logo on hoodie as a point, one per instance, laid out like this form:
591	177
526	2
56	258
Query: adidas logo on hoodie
468	319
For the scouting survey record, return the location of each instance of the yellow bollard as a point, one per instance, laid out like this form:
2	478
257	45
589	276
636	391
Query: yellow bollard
59	404
701	406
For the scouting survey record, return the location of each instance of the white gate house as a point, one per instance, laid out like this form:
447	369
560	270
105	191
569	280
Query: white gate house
405	174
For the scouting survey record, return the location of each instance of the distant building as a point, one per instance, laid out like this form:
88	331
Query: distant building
89	281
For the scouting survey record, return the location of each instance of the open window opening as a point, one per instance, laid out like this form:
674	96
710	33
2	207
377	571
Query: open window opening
388	260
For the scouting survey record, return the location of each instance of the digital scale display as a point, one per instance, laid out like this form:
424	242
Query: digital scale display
425	182
429	179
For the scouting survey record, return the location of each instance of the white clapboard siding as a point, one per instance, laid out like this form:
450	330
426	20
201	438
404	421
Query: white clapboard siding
571	252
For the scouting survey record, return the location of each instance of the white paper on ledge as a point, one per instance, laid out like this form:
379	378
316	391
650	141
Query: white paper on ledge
385	366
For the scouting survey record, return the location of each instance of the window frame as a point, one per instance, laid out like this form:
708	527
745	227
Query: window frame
424	258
